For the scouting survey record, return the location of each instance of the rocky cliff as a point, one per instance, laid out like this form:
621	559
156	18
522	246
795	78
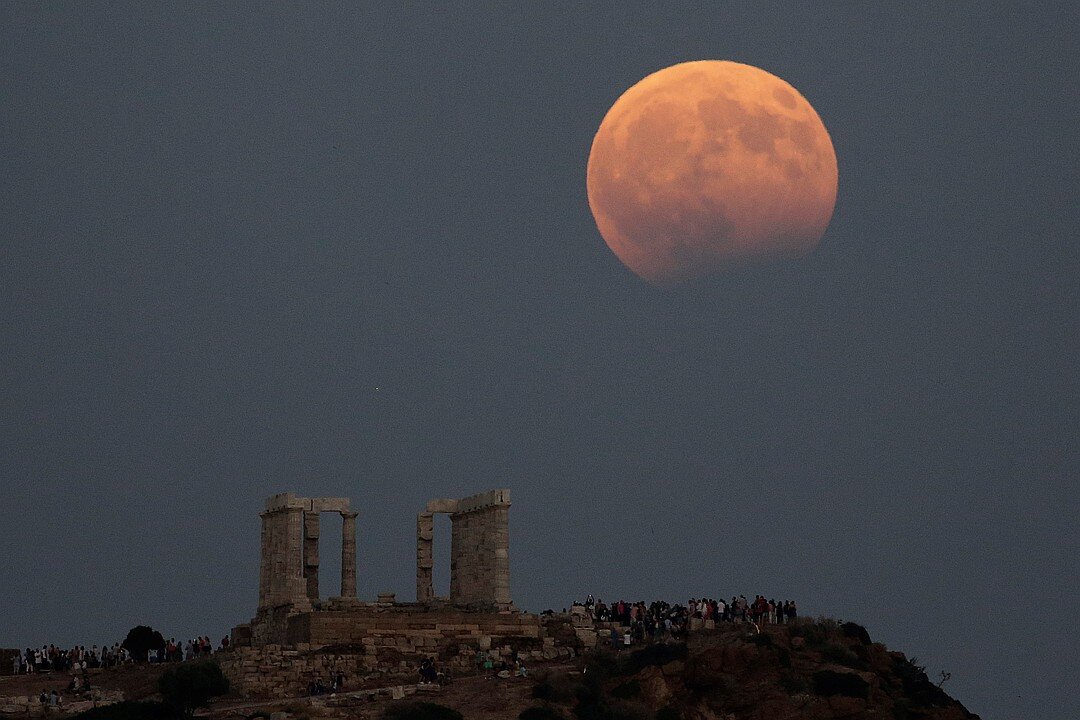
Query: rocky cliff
818	670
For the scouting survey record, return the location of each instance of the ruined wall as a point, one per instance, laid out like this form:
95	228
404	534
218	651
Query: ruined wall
368	645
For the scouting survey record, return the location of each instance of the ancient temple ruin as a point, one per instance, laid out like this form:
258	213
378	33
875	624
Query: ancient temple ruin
297	637
290	609
289	560
479	550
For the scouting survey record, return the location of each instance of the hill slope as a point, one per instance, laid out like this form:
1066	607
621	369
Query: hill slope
819	670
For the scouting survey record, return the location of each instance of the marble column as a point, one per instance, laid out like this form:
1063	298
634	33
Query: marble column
293	587
311	554
425	532
348	554
265	560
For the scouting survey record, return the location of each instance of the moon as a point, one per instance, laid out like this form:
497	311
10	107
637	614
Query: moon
707	165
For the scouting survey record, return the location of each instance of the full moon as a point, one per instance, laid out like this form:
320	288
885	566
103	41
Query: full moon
710	164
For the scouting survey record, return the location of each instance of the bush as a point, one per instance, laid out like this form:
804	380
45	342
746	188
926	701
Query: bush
920	692
793	683
668	713
613	710
190	686
420	711
603	665
660	654
555	687
762	640
541	713
626	691
142	638
858	632
842	656
827	682
128	710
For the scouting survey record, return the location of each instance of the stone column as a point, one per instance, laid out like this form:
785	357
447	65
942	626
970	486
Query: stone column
293	586
500	536
311	554
348	554
265	561
281	574
462	556
425	533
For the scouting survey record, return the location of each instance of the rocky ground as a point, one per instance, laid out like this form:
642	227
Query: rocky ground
818	670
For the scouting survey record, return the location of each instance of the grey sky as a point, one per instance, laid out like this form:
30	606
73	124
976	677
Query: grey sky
256	248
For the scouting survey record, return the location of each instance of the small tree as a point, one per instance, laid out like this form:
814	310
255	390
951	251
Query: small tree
190	686
142	638
420	711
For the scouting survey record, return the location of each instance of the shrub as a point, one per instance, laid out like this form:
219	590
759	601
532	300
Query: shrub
541	712
827	682
858	632
190	686
627	710
660	654
142	638
920	692
842	656
762	640
613	710
668	713
629	689
793	683
813	633
128	710
603	665
420	711
555	687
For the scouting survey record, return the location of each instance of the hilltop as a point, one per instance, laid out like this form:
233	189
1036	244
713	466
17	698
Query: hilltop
814	669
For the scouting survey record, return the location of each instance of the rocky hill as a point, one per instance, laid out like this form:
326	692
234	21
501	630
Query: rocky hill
818	670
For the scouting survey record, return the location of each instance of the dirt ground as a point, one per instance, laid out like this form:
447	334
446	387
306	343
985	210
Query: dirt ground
476	698
136	681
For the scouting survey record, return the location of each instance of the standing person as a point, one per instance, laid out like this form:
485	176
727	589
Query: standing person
792	612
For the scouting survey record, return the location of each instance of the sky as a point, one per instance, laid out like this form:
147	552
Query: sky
344	250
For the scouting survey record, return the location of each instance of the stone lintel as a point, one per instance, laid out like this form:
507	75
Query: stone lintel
330	505
442	505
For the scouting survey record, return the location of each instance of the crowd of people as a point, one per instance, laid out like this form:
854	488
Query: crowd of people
660	619
78	659
336	684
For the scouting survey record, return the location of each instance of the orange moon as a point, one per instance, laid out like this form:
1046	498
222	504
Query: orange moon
709	164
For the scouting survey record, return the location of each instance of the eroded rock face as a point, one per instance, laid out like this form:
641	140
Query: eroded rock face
815	670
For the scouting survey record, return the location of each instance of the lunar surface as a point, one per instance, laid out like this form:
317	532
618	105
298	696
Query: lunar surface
708	164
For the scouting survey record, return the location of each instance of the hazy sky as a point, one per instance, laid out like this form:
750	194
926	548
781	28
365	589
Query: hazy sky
255	248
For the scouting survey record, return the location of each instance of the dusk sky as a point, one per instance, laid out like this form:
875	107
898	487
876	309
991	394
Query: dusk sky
251	248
